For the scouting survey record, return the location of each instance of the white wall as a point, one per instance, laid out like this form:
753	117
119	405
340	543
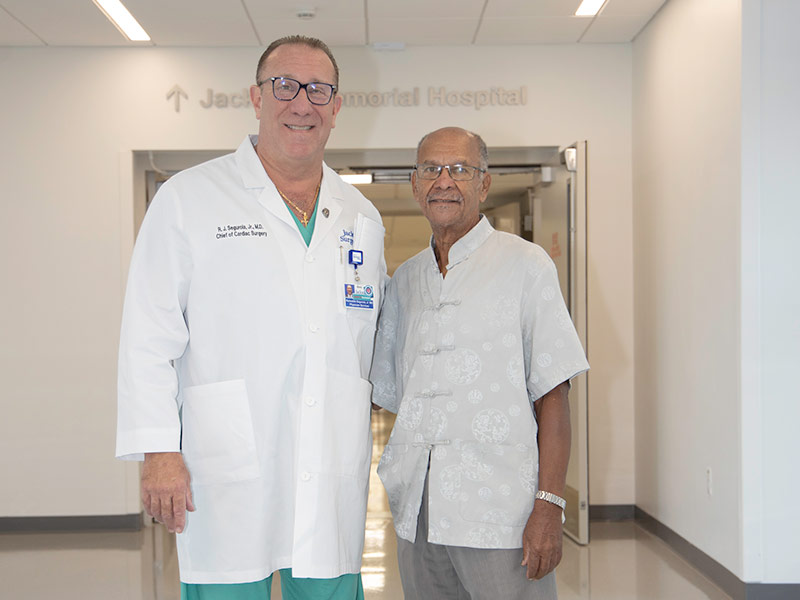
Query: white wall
686	221
717	333
70	118
770	290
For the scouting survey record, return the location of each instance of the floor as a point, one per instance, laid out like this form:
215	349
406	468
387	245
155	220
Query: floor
622	562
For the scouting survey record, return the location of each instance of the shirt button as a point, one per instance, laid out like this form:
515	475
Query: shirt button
313	328
309	258
305	476
310	401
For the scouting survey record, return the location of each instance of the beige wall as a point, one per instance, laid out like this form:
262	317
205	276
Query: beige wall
715	125
70	119
686	220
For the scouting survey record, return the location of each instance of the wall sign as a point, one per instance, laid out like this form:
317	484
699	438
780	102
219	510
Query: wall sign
439	97
434	97
211	98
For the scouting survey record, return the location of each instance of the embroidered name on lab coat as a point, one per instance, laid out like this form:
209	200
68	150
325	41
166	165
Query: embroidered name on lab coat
242	230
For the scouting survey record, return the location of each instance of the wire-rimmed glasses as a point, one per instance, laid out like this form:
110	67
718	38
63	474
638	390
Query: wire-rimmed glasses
457	172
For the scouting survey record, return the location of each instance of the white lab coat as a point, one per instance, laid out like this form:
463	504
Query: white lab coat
238	350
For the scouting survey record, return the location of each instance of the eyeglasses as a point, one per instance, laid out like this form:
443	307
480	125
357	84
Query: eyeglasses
286	90
457	172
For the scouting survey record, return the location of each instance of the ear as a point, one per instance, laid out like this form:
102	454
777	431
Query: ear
485	183
337	106
255	98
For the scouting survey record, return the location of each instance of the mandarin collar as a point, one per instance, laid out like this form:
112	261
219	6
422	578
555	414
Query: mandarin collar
467	244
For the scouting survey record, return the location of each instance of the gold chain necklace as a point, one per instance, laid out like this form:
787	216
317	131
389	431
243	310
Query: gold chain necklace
304	220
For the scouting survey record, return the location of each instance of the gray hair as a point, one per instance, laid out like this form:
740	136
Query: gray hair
299	40
482	149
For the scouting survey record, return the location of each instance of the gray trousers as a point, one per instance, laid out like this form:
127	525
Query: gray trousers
437	572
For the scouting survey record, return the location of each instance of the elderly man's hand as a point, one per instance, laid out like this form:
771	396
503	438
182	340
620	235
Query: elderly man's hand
166	493
541	540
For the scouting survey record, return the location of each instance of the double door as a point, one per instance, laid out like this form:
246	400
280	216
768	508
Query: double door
558	214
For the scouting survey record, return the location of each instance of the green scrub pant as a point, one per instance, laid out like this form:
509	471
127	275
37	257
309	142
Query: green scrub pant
346	587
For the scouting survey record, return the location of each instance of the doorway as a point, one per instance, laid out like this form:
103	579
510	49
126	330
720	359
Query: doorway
558	208
538	193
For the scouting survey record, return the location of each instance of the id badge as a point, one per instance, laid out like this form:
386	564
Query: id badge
357	295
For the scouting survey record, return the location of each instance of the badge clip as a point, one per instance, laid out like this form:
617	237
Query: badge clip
355	258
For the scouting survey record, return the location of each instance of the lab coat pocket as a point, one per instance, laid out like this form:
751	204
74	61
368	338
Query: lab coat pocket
218	443
348	443
368	238
362	318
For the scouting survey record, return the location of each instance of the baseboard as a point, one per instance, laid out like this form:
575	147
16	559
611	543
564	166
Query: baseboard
89	523
772	591
611	512
701	561
730	583
710	568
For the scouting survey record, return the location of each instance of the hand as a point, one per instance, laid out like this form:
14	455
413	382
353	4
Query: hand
166	493
541	540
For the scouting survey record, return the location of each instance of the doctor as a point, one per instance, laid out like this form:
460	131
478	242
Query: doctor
243	364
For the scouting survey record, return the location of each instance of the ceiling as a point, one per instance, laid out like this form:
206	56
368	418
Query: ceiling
337	22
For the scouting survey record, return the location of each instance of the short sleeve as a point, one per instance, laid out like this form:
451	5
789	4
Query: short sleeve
552	350
384	372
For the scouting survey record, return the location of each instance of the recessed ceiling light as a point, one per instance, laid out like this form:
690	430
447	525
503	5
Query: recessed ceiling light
589	8
123	20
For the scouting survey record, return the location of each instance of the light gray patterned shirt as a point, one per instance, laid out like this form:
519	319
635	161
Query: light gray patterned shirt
460	360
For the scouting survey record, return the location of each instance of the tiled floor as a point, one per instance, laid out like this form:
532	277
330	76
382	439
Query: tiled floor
622	562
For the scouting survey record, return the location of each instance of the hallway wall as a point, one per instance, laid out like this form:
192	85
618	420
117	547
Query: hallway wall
715	126
686	215
71	118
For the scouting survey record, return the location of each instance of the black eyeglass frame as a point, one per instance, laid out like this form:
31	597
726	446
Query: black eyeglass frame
440	168
301	86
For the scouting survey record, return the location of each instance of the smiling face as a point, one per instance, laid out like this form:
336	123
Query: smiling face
451	207
294	131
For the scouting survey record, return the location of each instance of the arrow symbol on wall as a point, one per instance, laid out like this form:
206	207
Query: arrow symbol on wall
177	92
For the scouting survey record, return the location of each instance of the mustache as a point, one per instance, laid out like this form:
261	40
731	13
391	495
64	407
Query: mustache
444	197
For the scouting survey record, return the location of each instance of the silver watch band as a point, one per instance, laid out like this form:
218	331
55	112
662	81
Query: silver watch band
552	499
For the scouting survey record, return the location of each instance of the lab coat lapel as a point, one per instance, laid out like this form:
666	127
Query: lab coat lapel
254	177
272	201
331	200
290	242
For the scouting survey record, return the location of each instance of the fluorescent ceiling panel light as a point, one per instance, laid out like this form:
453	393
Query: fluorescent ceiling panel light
589	8
123	20
357	178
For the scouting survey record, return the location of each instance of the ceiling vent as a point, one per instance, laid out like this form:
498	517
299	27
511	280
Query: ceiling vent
306	14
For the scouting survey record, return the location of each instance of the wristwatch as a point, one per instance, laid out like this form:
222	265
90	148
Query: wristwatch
553	499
